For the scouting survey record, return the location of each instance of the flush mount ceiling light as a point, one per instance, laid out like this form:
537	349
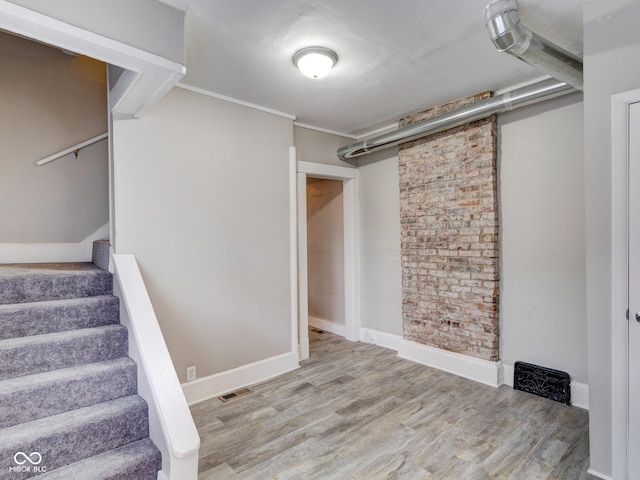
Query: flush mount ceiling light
315	62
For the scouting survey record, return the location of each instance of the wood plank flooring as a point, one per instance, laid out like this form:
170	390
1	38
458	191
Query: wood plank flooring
357	411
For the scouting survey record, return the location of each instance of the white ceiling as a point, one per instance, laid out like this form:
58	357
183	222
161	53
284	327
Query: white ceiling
395	56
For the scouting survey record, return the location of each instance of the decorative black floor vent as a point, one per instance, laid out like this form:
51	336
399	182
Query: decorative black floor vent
542	381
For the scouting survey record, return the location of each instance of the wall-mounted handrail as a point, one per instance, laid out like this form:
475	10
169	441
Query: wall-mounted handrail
69	150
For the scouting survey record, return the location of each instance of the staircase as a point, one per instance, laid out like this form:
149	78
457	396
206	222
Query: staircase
68	403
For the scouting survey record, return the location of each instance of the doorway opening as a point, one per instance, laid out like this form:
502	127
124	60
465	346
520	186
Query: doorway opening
325	255
328	282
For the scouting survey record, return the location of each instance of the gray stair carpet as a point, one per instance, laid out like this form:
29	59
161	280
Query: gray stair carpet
36	282
136	461
69	407
21	319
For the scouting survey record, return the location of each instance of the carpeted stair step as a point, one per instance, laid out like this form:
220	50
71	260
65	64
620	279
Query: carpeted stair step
28	398
73	436
136	461
36	282
23	319
101	254
42	353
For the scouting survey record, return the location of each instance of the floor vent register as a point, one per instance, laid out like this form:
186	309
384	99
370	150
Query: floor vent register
544	382
236	394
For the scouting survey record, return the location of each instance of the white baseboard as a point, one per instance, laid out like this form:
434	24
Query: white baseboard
507	375
225	382
579	391
599	475
488	373
386	340
327	326
52	252
482	371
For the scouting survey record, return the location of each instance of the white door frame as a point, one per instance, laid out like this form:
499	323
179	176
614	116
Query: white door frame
620	278
351	207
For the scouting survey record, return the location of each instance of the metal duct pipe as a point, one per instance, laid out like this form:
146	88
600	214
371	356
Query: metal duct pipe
509	35
519	97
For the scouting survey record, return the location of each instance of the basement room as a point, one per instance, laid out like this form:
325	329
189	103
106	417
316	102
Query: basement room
317	239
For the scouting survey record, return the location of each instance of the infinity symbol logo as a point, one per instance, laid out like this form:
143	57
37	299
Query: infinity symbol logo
34	458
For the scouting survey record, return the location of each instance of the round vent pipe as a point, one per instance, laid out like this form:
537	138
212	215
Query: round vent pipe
509	35
507	101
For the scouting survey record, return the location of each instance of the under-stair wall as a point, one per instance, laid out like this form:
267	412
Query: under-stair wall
239	314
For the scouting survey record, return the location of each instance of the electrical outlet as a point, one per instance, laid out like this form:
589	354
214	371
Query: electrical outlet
191	373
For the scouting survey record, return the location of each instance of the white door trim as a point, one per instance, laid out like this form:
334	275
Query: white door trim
620	277
351	205
302	290
293	248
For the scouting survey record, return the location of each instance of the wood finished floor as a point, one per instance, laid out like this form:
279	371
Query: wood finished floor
357	411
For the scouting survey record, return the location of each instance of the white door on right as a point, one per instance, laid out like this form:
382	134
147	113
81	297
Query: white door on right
633	445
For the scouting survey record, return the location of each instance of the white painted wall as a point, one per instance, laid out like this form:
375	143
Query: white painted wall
325	250
380	267
55	101
611	66
542	280
202	201
145	24
319	147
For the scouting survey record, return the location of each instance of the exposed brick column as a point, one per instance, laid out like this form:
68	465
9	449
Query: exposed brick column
449	225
